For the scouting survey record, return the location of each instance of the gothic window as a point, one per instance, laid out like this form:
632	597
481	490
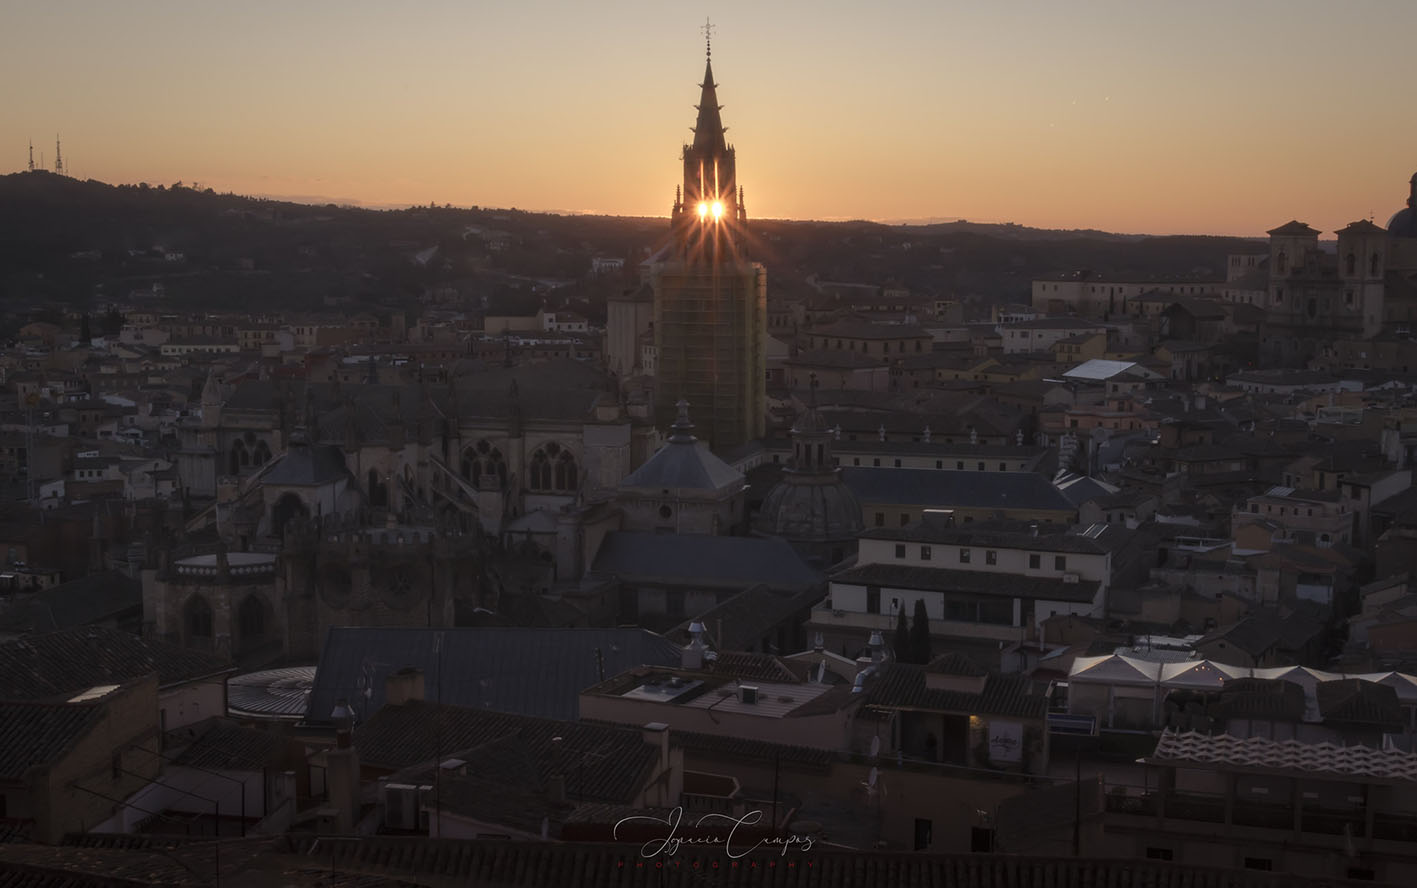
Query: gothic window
553	469
261	455
484	467
1350	264
198	618
240	458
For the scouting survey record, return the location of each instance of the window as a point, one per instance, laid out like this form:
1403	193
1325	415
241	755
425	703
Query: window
1158	854
1259	863
876	462
880	519
981	467
1362	874
991	556
959	466
900	550
924	553
897	464
939	464
873	599
1060	562
963	556
1003	467
1035	561
904	519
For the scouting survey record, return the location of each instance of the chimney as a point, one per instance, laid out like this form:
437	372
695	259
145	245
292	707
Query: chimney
692	656
1033	529
656	734
404	686
342	770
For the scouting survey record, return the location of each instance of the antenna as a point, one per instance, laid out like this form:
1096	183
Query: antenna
31	155
58	157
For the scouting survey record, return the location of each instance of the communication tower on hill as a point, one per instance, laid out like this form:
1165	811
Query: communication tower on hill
58	158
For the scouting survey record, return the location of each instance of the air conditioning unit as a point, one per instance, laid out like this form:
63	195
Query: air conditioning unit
400	806
748	694
1070	578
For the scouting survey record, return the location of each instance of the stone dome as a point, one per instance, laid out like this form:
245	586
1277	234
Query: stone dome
1404	222
810	509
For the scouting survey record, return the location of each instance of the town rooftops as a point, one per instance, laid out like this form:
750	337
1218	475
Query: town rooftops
57	665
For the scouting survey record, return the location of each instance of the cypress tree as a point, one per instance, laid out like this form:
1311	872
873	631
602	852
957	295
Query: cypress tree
919	634
903	642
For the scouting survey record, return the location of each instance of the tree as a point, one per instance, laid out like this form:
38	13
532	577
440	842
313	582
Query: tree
903	649
920	633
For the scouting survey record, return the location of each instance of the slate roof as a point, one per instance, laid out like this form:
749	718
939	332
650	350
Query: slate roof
529	671
684	463
946	488
1261	698
307	465
1006	535
226	746
58	664
702	560
35	734
973	582
746	618
94	598
617	760
902	686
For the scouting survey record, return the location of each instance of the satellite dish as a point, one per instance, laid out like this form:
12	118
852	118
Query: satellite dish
875	749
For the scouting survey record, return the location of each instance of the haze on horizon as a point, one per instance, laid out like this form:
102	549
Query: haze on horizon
1143	117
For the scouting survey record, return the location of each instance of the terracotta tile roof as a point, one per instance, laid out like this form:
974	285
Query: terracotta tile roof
34	734
902	686
491	864
58	664
1222	751
617	760
230	747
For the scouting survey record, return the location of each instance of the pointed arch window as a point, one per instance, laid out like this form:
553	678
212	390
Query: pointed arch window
261	455
553	470
484	467
240	457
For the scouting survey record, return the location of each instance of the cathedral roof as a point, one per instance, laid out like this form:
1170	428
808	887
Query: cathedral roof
307	465
684	463
1293	227
708	130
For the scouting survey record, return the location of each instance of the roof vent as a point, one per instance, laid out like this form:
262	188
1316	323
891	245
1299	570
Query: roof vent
748	694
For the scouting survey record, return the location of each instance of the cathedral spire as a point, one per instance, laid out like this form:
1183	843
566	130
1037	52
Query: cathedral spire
708	129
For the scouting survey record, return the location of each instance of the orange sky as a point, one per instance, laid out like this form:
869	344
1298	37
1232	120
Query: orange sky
1139	116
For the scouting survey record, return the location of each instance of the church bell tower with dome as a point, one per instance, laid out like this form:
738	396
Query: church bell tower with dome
710	300
811	507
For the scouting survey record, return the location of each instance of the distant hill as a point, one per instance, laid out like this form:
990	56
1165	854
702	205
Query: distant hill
87	242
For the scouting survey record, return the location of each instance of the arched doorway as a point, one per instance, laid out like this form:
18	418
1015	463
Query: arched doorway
287	508
197	623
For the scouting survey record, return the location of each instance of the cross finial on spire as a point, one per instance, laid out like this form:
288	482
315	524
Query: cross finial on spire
707	28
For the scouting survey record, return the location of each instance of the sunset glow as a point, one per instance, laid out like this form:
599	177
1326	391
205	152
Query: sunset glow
1204	117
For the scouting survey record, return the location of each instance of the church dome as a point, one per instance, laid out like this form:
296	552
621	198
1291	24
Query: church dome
1404	222
810	512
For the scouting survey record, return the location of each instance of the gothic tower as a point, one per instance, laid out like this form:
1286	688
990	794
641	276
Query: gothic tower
710	300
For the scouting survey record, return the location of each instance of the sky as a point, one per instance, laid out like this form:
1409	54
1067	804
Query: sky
1194	117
